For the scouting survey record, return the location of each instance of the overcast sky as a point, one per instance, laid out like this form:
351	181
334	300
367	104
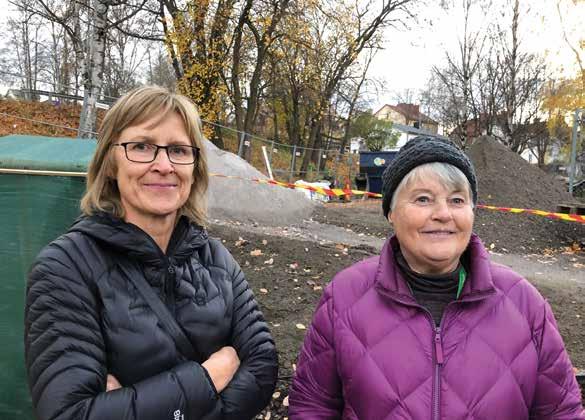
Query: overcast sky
411	52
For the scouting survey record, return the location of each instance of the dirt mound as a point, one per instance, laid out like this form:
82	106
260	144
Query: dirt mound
507	180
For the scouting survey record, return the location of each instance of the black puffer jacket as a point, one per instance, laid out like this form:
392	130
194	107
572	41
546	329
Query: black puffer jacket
84	319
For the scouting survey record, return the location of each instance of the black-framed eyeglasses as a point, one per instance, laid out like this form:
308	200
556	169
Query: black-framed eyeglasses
179	154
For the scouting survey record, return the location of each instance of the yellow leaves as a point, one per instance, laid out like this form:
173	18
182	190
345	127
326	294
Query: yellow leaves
560	99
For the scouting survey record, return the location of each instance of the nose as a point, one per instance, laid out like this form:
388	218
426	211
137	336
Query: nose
442	211
162	163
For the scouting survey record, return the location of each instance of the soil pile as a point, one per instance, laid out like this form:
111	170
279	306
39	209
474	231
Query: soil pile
507	180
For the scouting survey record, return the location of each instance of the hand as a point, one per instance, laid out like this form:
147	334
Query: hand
112	383
222	366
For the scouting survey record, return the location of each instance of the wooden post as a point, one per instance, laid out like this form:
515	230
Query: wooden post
293	163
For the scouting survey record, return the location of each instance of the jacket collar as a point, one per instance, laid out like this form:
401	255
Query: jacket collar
479	283
130	240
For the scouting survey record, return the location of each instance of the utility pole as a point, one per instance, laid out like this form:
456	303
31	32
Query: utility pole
573	164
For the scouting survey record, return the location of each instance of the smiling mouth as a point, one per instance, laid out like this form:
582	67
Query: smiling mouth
160	185
439	232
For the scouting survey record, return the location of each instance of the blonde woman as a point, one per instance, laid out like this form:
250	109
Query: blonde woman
135	313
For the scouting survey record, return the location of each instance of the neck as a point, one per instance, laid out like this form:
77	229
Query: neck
430	269
160	228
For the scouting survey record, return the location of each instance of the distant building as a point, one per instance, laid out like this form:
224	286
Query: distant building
356	145
408	121
408	114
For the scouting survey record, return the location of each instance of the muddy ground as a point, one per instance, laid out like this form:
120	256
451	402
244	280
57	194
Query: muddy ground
288	267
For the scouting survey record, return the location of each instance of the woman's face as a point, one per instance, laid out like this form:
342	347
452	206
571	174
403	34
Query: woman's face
433	225
159	188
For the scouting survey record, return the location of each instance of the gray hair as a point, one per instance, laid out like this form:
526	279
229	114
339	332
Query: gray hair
448	175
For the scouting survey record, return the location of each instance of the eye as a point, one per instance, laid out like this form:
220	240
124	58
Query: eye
139	147
458	200
179	150
422	199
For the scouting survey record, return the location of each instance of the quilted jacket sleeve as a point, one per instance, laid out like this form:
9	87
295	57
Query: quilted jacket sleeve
557	393
316	389
252	386
66	358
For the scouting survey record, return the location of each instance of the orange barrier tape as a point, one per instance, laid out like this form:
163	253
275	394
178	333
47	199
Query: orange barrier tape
330	192
550	215
338	192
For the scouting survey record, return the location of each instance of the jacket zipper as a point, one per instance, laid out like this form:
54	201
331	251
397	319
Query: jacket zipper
438	356
438	362
170	289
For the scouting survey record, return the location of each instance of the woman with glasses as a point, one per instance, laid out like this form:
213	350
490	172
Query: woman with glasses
135	313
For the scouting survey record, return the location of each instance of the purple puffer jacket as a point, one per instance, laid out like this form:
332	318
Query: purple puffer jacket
373	353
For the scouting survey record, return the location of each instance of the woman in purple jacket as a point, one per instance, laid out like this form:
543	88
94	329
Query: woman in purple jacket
430	328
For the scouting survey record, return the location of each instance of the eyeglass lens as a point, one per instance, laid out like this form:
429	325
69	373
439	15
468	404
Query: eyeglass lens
145	152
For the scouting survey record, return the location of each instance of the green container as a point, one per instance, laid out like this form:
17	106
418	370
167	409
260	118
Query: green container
41	182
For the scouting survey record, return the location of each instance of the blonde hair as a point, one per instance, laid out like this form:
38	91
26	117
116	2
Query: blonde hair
134	108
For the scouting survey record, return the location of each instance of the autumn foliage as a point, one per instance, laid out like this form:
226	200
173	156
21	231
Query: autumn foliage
61	120
40	118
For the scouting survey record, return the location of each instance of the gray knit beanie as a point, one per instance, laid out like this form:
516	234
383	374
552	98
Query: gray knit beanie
418	151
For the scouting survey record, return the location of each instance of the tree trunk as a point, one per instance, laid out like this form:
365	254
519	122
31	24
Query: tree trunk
94	70
235	73
314	142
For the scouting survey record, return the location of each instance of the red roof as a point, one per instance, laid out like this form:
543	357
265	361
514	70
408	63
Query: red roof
411	112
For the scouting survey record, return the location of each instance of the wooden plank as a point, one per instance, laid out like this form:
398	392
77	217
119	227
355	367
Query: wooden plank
571	208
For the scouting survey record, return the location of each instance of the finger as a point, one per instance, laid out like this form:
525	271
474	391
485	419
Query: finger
112	383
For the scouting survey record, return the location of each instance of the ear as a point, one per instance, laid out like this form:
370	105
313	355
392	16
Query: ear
110	167
390	218
110	171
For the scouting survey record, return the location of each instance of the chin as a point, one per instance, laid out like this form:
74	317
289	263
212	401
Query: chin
163	212
443	260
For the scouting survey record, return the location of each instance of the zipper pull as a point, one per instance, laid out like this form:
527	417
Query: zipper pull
438	346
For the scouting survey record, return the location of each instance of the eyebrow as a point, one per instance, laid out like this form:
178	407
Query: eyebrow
425	190
151	139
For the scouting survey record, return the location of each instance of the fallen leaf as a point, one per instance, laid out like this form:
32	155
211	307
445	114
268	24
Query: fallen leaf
269	262
264	242
294	266
492	246
241	241
263	290
285	401
256	252
317	288
299	326
276	395
339	246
